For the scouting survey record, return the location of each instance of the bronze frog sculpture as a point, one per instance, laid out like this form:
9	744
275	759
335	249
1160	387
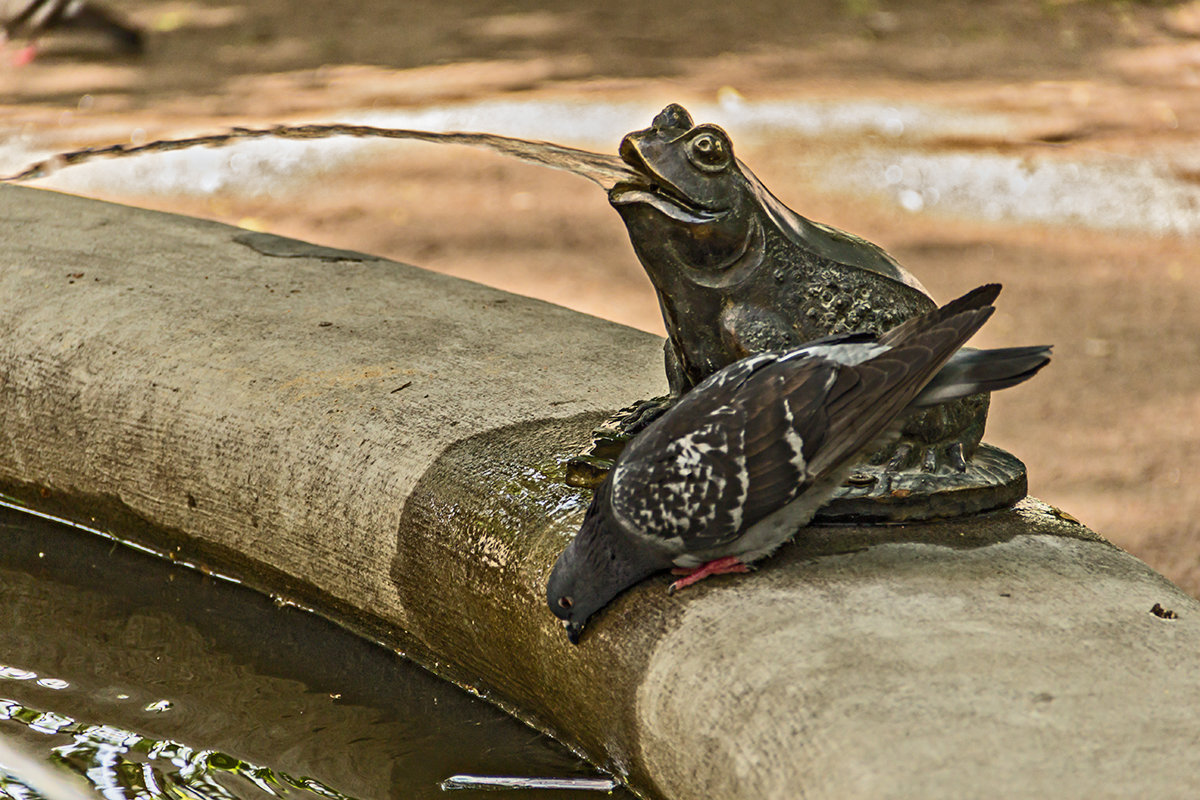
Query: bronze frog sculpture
737	272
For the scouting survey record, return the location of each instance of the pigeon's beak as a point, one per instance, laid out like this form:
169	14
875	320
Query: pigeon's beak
573	630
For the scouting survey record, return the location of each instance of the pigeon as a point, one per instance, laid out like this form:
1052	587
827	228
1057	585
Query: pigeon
747	457
28	18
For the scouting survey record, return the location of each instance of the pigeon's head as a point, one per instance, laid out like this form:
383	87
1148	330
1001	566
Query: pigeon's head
571	591
595	567
564	595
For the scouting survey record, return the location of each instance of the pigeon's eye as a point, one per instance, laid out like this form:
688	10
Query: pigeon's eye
565	602
708	152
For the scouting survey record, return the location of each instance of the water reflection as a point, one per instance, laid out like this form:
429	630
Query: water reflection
157	682
124	765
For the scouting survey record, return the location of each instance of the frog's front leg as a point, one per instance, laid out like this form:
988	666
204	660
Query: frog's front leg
677	379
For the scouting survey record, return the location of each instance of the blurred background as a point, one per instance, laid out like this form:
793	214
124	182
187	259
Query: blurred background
1051	145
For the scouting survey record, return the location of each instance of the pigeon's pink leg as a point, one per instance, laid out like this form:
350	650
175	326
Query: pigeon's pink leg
24	56
721	566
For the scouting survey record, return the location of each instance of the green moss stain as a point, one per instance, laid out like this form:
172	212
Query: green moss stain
501	498
525	495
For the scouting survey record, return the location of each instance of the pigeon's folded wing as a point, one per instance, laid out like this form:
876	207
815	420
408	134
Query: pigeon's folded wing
785	406
682	480
690	489
733	451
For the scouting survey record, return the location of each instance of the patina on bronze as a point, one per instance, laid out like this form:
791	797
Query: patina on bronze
737	272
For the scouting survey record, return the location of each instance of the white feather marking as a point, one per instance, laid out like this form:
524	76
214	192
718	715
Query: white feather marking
946	393
794	440
735	371
737	511
846	354
765	536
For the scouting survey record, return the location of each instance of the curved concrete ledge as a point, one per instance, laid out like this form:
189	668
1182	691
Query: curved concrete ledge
385	444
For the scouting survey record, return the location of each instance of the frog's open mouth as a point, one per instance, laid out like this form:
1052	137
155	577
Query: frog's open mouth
655	196
655	191
660	197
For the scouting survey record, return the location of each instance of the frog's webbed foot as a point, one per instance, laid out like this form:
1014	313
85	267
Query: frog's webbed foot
642	414
900	457
944	457
610	437
939	457
956	457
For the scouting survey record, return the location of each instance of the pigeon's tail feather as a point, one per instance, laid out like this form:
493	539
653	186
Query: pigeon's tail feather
970	372
980	297
869	396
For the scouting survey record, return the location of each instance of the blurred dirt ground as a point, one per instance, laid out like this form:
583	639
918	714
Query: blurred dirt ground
1110	431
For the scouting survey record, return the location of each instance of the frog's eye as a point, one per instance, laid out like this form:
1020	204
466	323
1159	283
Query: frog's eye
565	602
708	152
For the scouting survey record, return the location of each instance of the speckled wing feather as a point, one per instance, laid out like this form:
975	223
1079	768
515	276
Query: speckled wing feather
683	478
687	492
732	451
